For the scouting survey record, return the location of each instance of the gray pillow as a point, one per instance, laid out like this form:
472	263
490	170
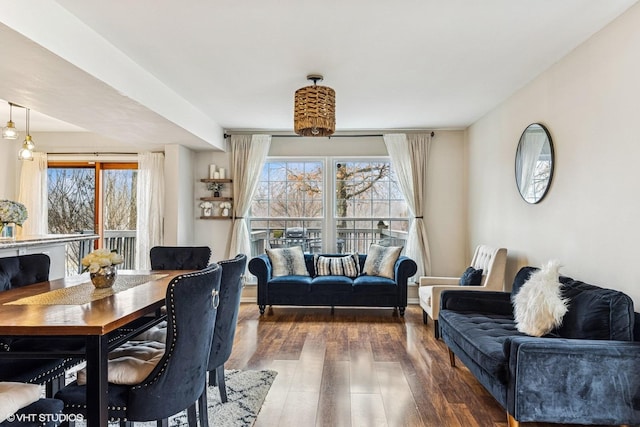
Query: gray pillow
381	261
287	262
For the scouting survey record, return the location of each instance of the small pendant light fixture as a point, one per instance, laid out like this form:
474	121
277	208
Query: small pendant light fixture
314	111
26	152
10	131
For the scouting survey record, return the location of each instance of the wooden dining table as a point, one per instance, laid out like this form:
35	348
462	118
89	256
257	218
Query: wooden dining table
72	307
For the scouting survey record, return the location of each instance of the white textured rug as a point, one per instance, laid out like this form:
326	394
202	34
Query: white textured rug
246	391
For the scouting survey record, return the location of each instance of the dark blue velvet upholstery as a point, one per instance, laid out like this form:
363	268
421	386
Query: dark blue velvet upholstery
179	257
585	372
41	413
15	272
179	378
231	286
312	290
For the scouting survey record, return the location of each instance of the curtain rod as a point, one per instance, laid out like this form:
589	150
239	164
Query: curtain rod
227	135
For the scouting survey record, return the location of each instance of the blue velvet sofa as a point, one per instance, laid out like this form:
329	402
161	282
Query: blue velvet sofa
587	371
312	290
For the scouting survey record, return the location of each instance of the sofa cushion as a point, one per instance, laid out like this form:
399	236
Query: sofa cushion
331	284
294	285
375	285
482	338
348	265
287	262
596	313
381	261
471	277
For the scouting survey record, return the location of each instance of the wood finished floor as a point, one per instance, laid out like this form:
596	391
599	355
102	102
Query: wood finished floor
358	368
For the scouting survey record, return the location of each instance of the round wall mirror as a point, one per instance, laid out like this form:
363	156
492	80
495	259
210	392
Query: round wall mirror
534	163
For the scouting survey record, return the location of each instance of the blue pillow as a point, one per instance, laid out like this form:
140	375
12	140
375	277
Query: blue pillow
471	277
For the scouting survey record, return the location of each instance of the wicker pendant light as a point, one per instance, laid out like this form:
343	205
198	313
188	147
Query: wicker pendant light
314	112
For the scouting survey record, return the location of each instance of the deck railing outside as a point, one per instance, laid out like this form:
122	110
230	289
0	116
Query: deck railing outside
123	241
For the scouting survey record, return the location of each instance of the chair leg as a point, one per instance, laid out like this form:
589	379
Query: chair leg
54	385
425	317
512	422
213	378
452	358
191	416
221	384
203	413
436	330
160	423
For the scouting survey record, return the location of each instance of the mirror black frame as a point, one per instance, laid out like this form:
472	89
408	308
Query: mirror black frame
518	163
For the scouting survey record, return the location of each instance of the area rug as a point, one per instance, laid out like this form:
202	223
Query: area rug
246	391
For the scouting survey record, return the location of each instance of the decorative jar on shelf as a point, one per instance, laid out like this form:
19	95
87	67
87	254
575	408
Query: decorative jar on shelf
105	277
8	231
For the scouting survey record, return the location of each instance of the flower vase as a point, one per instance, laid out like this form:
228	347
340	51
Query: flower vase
7	231
105	277
216	194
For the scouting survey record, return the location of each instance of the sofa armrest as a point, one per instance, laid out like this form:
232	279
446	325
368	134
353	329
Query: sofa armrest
260	267
574	381
488	302
404	268
433	281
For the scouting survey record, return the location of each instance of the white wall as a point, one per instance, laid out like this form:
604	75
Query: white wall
589	219
446	201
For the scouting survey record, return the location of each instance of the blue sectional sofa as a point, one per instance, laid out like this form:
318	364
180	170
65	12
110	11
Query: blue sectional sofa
312	290
587	371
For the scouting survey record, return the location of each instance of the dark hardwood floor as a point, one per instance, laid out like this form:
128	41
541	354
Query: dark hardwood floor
358	367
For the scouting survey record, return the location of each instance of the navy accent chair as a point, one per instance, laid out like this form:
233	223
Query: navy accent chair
179	379
230	292
15	272
179	257
40	407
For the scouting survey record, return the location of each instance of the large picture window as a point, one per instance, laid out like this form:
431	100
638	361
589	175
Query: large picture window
328	205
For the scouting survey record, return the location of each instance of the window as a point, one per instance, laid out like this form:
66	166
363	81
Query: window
88	197
365	205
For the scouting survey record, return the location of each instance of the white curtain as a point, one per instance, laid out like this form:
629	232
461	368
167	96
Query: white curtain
248	154
149	229
33	195
409	158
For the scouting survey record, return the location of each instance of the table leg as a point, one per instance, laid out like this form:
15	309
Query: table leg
97	398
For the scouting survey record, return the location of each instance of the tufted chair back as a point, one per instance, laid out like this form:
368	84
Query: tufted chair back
493	262
231	286
179	378
179	257
23	270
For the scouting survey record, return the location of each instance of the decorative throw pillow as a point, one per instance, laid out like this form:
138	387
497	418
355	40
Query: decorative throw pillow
381	261
15	396
130	363
348	265
539	306
471	277
287	262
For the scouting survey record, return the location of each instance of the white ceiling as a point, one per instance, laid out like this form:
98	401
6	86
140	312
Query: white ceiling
197	67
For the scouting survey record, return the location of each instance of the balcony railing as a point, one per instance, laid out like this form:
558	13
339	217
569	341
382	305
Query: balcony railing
123	241
347	240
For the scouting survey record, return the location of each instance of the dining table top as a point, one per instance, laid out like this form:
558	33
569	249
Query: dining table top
39	310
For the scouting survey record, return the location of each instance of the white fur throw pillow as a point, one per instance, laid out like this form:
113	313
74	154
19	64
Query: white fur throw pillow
539	306
287	262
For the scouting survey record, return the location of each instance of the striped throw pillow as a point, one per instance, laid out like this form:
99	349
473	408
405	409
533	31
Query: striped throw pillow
337	266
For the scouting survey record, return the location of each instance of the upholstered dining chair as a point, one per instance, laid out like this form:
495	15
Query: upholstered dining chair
231	286
21	406
179	257
15	272
179	378
491	260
